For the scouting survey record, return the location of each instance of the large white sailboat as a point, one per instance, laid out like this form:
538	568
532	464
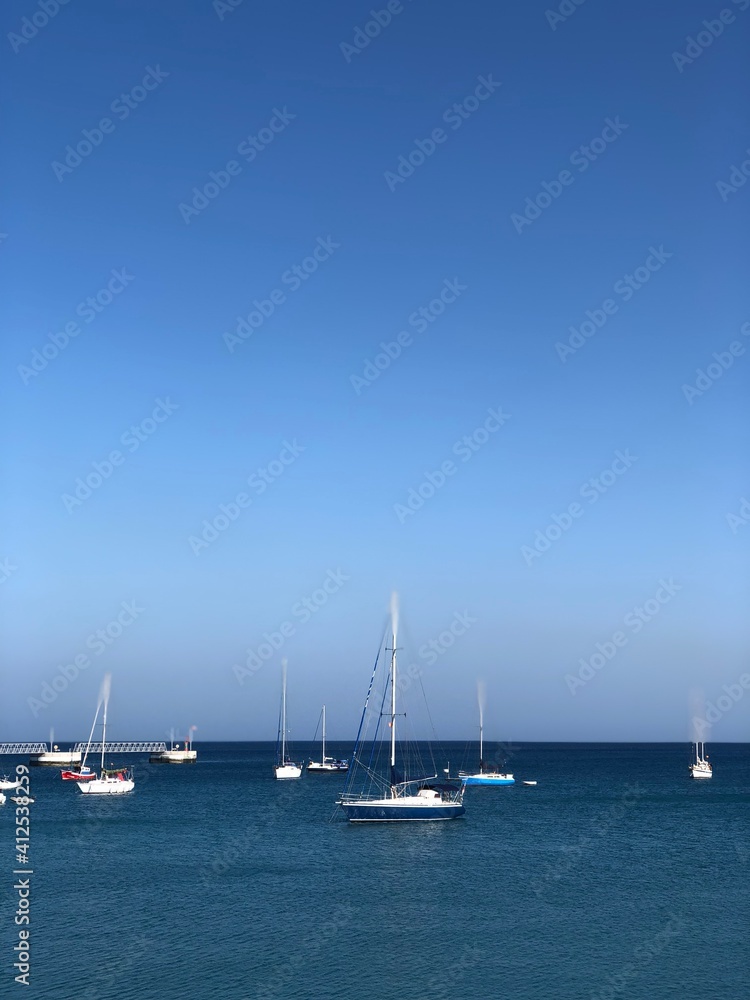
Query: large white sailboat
284	767
700	767
115	781
484	776
397	798
326	765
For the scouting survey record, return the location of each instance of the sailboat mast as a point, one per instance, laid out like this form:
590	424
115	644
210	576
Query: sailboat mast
283	712
393	701
481	741
104	732
324	735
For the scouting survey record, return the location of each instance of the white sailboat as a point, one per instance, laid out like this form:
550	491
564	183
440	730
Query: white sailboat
284	767
326	765
483	777
115	781
405	799
700	767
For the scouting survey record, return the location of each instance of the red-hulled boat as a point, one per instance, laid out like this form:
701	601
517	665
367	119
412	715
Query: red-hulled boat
82	774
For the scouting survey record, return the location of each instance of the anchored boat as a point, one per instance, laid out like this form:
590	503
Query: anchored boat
326	765
284	767
484	777
112	781
700	767
397	797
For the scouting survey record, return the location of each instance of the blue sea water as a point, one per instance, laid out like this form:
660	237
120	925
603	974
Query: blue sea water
617	876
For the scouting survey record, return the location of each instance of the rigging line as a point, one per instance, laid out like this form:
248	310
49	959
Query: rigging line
432	725
350	772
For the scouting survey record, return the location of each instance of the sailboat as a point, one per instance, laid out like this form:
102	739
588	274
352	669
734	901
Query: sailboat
399	798
700	767
284	767
115	781
326	765
484	777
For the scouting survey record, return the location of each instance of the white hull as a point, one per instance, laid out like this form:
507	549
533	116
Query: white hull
6	784
287	771
2	799
106	786
56	757
317	766
700	771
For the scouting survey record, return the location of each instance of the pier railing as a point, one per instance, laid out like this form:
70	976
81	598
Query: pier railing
154	747
23	748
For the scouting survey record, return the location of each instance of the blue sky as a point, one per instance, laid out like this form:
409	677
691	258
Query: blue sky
123	112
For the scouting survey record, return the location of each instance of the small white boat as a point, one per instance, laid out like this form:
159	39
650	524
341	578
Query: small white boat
531	784
6	784
326	765
2	798
284	767
115	781
700	767
23	799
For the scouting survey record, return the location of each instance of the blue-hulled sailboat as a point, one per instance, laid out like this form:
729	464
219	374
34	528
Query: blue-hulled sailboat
397	798
482	776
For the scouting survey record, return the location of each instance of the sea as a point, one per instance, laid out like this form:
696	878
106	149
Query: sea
616	876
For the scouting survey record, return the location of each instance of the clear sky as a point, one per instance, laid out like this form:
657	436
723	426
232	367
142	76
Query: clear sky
214	216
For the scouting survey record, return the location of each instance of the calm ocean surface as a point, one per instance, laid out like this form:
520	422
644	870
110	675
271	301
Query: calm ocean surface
618	876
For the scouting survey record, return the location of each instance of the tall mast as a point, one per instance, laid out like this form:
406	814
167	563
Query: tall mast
481	740
104	732
324	735
283	711
394	621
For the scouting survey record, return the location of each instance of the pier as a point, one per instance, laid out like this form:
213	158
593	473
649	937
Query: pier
19	748
153	747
